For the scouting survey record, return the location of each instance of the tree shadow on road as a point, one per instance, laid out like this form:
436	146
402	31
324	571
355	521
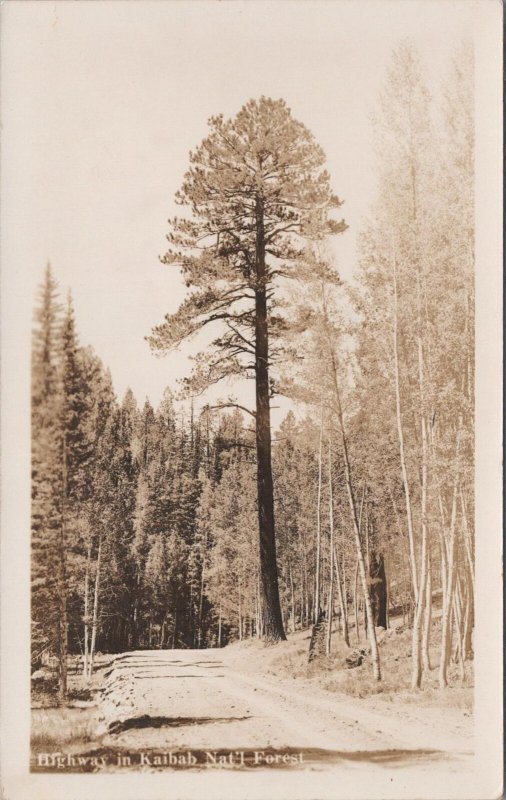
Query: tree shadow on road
146	721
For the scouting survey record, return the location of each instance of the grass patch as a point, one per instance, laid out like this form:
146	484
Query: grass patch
290	660
54	728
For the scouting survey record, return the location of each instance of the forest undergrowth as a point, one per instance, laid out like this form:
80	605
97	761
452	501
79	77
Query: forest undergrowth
290	660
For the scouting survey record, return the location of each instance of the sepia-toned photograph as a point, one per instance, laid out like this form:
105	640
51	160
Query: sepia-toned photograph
242	250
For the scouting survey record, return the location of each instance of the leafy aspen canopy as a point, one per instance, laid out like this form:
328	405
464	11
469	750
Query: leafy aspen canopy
261	170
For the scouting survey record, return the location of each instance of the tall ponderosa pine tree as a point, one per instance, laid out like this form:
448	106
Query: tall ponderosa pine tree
257	189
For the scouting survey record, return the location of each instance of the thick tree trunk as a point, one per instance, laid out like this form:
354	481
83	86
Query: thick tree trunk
273	619
378	590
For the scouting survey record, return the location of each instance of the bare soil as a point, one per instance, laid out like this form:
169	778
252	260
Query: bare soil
248	706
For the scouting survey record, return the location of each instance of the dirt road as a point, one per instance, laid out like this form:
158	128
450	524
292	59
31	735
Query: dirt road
177	701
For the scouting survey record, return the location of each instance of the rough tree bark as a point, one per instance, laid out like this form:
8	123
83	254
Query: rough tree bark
273	620
378	590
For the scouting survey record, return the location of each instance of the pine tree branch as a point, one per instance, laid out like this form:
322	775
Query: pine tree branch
219	406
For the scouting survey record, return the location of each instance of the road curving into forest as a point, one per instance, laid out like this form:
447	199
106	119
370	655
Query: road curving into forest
199	704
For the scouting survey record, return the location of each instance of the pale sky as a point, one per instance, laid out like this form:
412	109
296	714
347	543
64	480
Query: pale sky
102	102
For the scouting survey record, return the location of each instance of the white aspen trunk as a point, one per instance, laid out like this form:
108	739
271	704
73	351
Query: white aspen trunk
86	610
331	548
467	538
371	632
416	675
459	611
302	598
443	549
355	603
467	618
449	547
367	558
304	609
342	603
405	548
457	620
427	622
448	597
352	505
387	602
292	594
343	581
355	584
95	607
259	606
400	432
318	526
239	610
